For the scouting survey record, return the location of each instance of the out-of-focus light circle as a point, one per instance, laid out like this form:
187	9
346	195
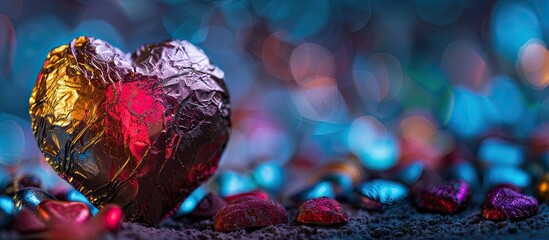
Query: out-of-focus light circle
533	62
510	175
320	103
100	29
309	61
364	130
353	13
369	140
235	155
513	24
464	65
12	9
466	172
172	2
269	176
411	173
300	19
218	40
387	74
274	55
139	11
366	85
36	37
270	143
187	21
240	72
236	13
321	189
7	44
439	12
507	99
496	152
418	127
12	142
230	183
191	201
471	115
5	178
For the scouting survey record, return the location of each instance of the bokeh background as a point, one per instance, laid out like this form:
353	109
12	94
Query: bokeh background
389	83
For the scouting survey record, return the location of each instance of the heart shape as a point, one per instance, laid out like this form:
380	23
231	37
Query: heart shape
141	130
65	212
448	197
505	202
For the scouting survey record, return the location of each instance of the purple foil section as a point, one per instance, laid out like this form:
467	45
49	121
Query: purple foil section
503	202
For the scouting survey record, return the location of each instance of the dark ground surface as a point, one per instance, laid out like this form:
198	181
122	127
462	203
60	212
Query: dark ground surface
402	222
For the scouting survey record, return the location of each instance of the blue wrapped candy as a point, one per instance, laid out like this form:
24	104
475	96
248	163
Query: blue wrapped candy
29	198
380	194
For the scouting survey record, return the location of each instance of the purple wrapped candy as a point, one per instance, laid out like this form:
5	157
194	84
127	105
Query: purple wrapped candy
448	197
504	202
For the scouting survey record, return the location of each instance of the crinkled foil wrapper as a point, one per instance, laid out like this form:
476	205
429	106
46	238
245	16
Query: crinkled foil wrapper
140	130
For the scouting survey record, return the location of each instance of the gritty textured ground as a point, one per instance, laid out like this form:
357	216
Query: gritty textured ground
402	222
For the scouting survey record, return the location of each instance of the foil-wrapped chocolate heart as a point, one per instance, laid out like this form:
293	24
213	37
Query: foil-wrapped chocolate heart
140	130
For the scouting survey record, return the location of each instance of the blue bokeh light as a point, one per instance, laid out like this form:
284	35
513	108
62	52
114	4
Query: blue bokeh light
513	24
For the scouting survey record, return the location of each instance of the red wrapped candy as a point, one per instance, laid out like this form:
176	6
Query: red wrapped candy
251	213
241	197
209	206
67	212
321	211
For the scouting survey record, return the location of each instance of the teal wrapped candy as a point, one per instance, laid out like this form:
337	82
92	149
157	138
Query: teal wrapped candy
380	194
29	198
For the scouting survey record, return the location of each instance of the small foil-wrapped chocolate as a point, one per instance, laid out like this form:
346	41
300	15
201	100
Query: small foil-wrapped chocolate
505	202
140	130
448	197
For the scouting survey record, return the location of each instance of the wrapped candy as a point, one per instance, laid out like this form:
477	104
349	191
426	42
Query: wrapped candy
321	211
379	194
249	214
448	197
505	202
141	130
29	198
